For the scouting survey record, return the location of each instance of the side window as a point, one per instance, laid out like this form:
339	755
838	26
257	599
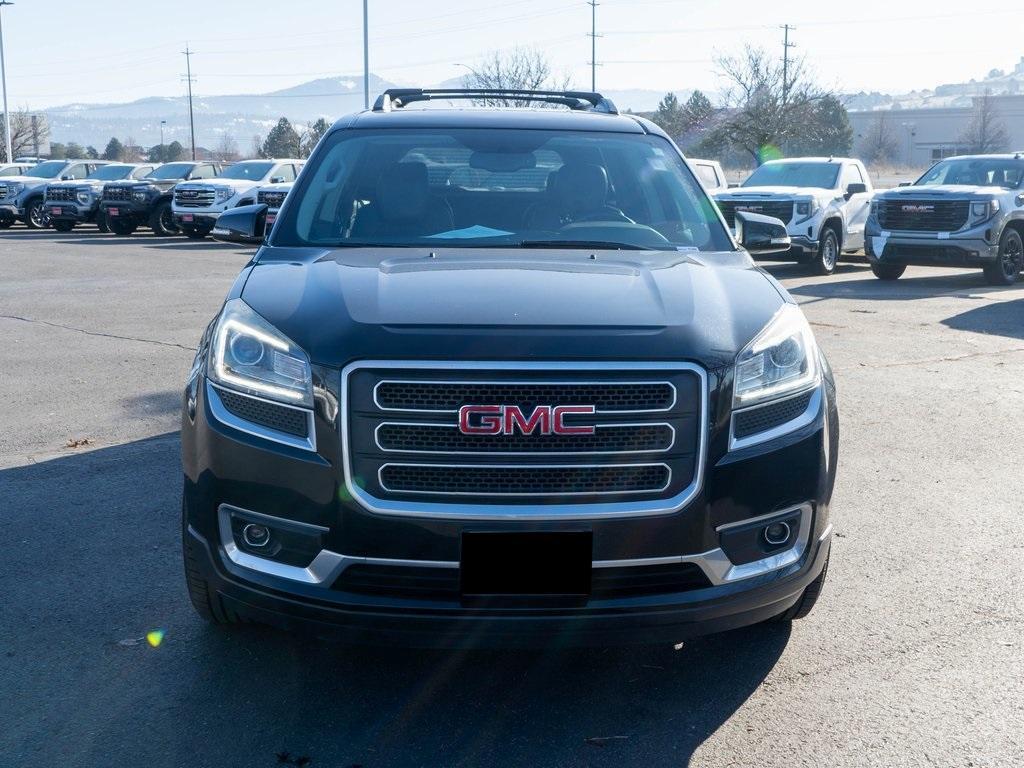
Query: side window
79	171
851	175
707	175
142	171
202	172
286	172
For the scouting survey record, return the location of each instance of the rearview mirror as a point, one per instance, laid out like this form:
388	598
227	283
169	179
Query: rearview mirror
856	188
760	235
244	224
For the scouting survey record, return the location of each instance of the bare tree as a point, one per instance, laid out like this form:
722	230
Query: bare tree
227	148
256	149
131	152
515	69
880	144
28	133
986	132
768	108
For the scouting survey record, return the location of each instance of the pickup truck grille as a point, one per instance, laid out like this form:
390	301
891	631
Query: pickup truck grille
271	199
191	197
117	194
923	215
3	191
61	194
404	443
780	209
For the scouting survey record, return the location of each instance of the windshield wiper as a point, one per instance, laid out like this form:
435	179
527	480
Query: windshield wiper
603	245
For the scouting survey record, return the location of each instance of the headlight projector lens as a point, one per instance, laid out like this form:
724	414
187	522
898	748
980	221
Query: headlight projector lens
246	349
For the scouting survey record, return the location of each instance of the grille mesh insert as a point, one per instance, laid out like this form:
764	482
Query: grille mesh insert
923	215
524	480
780	209
287	420
426	396
768	416
418	437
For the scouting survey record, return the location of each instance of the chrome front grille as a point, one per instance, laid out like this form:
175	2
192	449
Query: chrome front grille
193	197
271	199
61	194
3	191
117	194
406	455
780	209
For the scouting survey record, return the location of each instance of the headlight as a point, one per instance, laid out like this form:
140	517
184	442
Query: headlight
249	354
220	194
15	187
84	196
141	195
807	208
984	209
782	359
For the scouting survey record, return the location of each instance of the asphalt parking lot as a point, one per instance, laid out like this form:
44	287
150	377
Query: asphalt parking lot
913	657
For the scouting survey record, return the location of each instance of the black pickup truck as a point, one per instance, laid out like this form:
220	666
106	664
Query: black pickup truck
504	376
128	205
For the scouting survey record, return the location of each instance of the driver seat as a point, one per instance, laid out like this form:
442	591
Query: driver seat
579	192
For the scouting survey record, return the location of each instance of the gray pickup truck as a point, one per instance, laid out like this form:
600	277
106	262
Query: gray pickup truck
963	212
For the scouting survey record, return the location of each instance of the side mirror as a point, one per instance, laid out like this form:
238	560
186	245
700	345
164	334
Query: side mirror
856	188
66	177
243	224
276	179
760	235
906	184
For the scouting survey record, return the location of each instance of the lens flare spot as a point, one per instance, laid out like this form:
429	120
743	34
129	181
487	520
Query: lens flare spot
768	152
155	637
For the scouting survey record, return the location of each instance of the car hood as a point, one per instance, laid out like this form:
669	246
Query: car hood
158	183
94	183
235	184
348	304
940	191
28	181
751	192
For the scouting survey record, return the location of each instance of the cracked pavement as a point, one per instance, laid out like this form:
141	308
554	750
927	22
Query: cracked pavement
913	657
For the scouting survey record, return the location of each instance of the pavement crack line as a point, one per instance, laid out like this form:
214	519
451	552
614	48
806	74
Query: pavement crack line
947	359
97	333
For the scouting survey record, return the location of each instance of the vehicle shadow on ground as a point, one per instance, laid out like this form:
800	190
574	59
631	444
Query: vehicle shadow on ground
905	289
996	318
107	521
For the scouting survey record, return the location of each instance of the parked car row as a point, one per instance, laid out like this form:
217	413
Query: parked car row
179	197
963	212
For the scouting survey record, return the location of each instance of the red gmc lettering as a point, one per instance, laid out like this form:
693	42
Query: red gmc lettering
489	422
558	416
539	419
506	419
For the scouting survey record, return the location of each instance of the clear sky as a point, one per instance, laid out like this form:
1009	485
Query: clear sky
59	51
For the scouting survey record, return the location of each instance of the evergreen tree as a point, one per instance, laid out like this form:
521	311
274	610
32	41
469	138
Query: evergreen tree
282	141
113	150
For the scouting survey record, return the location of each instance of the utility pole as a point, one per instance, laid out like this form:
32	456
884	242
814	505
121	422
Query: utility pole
786	45
162	124
593	43
188	77
3	76
366	55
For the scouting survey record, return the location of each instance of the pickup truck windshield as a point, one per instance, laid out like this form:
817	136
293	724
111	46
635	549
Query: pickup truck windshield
171	171
47	170
821	175
112	172
500	188
250	171
986	172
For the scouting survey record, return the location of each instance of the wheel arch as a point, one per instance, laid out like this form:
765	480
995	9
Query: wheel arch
834	222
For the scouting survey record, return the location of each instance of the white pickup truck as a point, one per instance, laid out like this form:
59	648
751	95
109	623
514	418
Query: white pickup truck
824	202
197	204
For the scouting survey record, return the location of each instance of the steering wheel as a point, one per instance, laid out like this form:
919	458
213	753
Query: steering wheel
608	213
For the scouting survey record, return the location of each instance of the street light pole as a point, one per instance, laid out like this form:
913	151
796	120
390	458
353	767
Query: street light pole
366	56
162	124
3	77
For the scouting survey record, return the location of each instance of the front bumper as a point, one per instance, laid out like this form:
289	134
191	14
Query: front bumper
201	219
971	248
11	211
71	211
229	469
129	210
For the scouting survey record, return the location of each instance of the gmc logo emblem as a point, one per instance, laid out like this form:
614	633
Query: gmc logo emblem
918	208
506	419
750	208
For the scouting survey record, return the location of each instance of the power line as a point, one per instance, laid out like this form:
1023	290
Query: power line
188	77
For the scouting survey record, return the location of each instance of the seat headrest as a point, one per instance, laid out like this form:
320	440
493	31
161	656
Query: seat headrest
403	191
582	186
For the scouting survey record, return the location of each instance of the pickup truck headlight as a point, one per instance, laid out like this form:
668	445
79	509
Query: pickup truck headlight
220	194
807	208
15	188
247	353
781	359
84	196
142	195
984	209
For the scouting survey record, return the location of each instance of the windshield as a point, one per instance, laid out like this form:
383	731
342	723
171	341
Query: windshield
252	171
975	172
47	170
821	175
112	172
171	171
501	188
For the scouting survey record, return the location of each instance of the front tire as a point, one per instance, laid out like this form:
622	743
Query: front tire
825	260
120	227
101	223
807	600
1007	267
63	226
888	271
36	216
203	597
161	221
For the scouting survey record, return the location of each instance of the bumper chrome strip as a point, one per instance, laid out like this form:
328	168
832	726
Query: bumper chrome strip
327	565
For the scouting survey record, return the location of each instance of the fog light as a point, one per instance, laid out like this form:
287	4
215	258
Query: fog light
777	533
256	536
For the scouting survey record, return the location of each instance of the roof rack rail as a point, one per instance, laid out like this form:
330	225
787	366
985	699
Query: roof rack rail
394	98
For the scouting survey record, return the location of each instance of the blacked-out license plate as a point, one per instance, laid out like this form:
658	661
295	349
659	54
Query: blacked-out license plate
535	563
